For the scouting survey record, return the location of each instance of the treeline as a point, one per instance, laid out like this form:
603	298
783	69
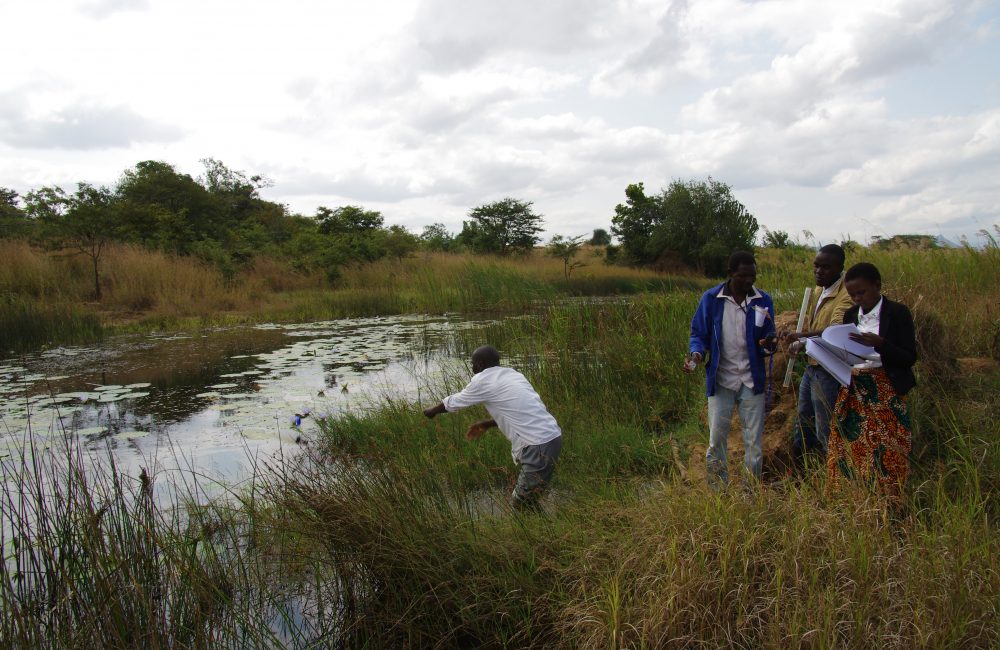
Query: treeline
220	217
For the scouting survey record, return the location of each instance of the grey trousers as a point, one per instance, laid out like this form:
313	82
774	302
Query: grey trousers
537	464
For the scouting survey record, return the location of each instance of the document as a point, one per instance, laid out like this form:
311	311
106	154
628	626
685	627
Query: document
837	353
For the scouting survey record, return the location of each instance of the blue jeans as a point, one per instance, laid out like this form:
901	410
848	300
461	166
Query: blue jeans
817	397
720	412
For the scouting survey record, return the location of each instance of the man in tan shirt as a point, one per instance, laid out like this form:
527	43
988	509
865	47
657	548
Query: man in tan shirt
818	390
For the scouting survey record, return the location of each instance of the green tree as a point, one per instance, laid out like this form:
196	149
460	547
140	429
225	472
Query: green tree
697	222
348	220
776	239
566	248
355	233
14	221
164	209
400	242
502	227
633	224
600	237
436	237
89	223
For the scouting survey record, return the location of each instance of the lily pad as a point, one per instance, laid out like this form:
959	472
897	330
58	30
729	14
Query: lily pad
91	431
131	435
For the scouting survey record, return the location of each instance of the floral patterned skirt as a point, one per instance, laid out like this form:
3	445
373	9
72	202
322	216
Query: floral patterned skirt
870	439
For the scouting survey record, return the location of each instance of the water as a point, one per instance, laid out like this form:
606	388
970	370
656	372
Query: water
217	402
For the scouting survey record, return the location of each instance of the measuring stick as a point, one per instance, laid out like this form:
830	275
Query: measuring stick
798	329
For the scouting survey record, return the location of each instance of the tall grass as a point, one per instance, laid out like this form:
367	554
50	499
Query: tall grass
91	561
957	286
26	324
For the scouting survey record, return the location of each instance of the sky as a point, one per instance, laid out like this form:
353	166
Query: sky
829	120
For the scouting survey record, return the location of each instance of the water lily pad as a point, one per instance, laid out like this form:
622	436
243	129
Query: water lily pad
224	386
111	397
131	435
134	395
109	387
209	394
91	431
140	385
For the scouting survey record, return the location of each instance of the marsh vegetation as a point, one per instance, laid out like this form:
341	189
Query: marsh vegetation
394	530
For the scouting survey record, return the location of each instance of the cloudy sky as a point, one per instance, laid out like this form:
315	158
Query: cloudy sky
850	118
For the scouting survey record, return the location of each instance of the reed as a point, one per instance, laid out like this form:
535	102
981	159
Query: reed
27	325
90	561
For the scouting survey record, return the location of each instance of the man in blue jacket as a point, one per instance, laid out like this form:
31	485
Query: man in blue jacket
734	329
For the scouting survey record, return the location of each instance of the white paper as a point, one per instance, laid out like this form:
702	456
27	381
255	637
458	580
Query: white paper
839	336
837	353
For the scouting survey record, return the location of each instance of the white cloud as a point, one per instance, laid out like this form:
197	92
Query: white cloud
425	108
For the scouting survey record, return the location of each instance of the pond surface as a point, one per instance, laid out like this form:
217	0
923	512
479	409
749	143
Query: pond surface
217	401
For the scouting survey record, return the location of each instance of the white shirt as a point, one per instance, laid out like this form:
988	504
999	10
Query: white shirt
512	403
869	323
827	292
734	359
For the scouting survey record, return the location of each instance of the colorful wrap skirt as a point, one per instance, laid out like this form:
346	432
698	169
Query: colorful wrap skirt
870	439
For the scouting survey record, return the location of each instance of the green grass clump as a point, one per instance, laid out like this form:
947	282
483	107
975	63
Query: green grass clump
27	325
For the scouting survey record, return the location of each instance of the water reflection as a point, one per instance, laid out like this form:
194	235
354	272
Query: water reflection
208	402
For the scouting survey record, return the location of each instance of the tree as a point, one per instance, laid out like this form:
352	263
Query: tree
89	223
566	248
164	209
600	237
357	232
13	220
502	227
633	224
436	237
348	220
400	242
776	239
698	222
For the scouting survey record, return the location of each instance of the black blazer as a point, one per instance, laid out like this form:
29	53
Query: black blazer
899	352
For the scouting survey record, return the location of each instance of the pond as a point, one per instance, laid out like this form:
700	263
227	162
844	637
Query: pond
217	401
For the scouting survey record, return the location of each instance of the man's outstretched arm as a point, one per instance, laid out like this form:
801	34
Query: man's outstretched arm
437	409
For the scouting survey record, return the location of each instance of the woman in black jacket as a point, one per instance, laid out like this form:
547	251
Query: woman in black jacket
870	439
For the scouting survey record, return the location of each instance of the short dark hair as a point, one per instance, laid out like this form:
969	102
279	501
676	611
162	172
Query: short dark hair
836	251
487	355
865	271
738	259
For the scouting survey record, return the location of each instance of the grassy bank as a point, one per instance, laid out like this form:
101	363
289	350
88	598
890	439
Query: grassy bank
144	290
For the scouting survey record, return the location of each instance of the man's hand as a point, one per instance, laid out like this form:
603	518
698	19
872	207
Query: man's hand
435	410
868	338
477	429
789	337
691	362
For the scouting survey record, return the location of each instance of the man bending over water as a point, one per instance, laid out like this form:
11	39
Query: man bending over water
517	410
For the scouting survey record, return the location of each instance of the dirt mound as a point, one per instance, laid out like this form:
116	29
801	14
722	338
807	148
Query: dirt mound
974	365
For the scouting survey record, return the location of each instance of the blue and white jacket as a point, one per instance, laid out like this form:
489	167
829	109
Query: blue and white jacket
706	334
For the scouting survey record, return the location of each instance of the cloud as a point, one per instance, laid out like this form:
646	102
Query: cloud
103	8
85	125
462	35
841	60
928	152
